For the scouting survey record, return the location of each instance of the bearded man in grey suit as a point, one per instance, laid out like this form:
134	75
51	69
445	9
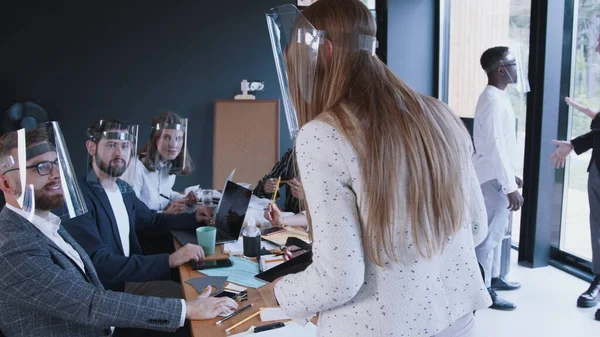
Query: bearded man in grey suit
48	285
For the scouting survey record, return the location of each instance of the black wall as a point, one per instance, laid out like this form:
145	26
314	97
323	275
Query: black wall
134	59
411	42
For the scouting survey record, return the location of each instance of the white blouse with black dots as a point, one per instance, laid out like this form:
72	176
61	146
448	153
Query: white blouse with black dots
354	296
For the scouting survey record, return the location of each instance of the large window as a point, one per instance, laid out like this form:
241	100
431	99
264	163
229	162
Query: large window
585	88
473	27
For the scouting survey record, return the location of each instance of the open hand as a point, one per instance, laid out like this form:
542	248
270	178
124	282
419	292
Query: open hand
185	254
206	307
559	156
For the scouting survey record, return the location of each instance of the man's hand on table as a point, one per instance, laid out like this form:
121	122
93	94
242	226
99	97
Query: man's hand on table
206	307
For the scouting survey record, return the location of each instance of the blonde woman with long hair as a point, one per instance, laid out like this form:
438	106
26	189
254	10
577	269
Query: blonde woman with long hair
391	193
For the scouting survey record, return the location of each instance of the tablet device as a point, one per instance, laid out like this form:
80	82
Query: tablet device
292	266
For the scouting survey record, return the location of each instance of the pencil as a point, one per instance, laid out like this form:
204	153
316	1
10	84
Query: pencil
276	190
274	260
233	314
244	321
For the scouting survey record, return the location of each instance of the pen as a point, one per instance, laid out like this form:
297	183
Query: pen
233	314
244	321
269	327
164	196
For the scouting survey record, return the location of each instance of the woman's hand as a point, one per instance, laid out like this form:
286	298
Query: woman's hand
589	112
270	186
297	190
273	215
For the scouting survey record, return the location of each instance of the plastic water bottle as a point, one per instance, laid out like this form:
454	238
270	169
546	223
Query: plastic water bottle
251	238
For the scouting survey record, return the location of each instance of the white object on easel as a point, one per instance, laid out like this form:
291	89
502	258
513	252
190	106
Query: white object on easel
244	94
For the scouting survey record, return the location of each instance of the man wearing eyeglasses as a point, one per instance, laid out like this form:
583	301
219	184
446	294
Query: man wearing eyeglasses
495	162
48	284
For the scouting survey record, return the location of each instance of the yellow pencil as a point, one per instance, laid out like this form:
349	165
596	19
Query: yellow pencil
276	190
244	321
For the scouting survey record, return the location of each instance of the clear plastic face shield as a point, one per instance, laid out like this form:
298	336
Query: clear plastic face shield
515	68
170	141
296	44
112	149
36	168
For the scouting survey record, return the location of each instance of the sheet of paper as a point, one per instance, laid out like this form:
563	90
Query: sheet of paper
273	314
242	272
291	329
281	237
234	287
248	332
269	261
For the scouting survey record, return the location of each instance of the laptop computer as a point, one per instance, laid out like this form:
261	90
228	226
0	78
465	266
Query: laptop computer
231	211
228	216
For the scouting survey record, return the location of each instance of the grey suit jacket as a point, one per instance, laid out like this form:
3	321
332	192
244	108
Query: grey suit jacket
44	293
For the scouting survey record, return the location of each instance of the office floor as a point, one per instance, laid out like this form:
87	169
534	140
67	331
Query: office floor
546	307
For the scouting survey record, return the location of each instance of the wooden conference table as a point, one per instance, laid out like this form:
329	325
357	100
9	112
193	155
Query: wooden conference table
204	328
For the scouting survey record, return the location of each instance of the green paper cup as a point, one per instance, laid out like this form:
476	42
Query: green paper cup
206	239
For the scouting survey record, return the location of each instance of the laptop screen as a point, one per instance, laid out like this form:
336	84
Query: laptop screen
231	212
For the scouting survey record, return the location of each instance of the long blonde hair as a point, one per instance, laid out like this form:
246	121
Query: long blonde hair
390	126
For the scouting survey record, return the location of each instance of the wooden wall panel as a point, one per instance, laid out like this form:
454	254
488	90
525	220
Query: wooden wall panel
246	138
475	25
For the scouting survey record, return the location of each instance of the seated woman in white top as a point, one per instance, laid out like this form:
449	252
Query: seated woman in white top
390	189
163	157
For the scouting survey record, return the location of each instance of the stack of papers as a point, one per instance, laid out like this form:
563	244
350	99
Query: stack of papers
291	329
269	261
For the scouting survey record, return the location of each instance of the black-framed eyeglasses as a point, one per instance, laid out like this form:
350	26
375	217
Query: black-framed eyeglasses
509	64
43	168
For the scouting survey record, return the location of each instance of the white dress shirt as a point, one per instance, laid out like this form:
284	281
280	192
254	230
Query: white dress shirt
149	185
495	139
49	227
120	212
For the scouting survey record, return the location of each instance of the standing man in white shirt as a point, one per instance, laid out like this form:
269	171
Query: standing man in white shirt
495	161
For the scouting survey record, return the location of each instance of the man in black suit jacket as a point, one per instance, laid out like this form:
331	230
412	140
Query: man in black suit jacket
108	231
581	144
